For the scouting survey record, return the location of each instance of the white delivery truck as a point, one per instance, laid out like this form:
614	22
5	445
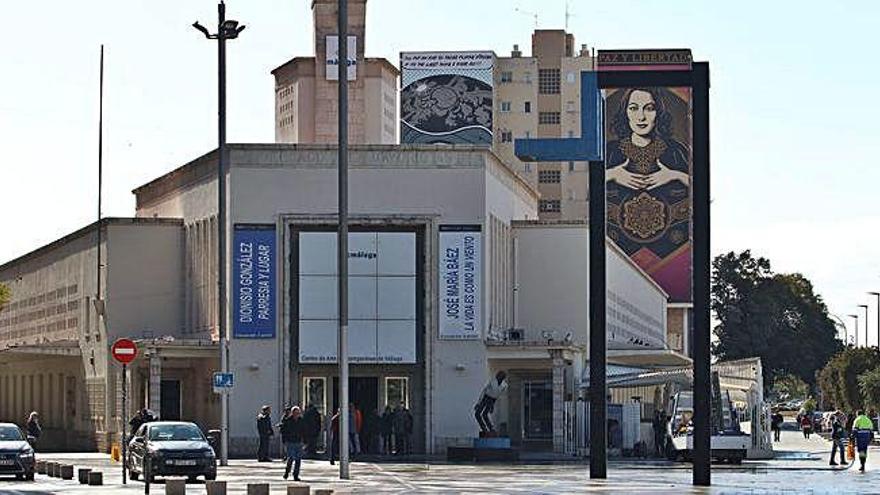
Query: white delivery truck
728	442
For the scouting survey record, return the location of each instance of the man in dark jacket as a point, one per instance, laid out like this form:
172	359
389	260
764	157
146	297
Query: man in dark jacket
838	434
265	431
292	435
312	427
385	428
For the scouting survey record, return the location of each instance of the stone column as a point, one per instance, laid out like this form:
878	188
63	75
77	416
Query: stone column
558	402
155	382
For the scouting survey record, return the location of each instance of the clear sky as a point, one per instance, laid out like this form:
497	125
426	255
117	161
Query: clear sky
795	162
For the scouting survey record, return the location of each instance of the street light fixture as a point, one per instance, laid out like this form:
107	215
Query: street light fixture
865	307
856	319
226	30
842	325
877	295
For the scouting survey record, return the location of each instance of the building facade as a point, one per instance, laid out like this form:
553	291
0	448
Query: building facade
306	92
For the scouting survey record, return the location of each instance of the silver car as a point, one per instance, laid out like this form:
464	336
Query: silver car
16	453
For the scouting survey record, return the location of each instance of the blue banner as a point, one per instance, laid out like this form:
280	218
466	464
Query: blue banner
253	282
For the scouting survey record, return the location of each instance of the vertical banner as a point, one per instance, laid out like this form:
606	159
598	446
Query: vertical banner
446	97
253	282
333	58
460	292
648	169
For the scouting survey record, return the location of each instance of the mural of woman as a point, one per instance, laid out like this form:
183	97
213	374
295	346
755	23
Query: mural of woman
648	185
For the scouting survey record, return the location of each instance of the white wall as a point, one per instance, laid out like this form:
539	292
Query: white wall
553	276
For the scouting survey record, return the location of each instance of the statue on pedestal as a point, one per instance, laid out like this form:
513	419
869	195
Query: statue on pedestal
486	405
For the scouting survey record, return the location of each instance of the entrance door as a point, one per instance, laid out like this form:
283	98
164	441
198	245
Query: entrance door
363	391
537	410
169	400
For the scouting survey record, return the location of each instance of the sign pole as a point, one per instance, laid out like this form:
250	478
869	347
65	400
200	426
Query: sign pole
124	417
342	240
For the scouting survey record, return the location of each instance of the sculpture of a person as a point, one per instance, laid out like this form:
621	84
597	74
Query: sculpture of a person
486	405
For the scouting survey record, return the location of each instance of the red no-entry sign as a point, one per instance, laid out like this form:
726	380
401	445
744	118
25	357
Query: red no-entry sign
124	351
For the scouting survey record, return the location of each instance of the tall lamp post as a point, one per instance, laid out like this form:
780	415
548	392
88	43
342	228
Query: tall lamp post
865	307
842	325
856	319
226	30
877	295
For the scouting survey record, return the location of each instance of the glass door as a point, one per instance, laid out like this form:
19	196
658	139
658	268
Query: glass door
537	410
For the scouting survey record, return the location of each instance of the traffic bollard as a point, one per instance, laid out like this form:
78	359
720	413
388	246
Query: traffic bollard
216	487
175	487
96	478
298	489
83	474
258	489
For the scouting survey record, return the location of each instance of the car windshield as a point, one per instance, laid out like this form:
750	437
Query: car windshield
10	433
161	433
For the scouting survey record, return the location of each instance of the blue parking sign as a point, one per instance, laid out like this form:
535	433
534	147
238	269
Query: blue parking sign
222	382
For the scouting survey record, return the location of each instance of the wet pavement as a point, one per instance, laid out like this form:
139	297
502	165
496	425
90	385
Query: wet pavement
801	467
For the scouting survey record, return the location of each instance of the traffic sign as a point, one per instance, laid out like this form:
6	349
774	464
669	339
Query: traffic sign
223	382
124	351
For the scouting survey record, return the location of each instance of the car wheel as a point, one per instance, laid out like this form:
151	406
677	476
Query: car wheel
192	479
134	475
29	476
210	476
19	477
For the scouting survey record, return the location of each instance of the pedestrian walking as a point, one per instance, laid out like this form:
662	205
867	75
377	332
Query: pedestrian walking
863	431
33	425
806	426
265	432
776	424
333	428
292	436
137	420
312	426
356	422
385	430
838	434
408	425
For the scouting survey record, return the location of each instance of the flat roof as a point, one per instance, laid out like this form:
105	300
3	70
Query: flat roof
87	230
204	166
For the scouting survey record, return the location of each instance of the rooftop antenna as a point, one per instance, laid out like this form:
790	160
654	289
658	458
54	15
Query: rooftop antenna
568	14
534	15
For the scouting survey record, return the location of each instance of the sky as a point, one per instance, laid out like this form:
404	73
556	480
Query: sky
794	114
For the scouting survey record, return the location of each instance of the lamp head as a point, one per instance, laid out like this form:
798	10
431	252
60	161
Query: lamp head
202	29
231	29
874	293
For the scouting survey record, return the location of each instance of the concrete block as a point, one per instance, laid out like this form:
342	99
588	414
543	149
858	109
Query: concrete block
40	468
258	489
83	475
298	489
216	487
66	471
175	487
96	478
50	469
324	491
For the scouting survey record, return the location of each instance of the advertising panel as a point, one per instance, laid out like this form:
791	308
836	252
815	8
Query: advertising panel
253	282
446	97
648	169
381	297
460	292
333	58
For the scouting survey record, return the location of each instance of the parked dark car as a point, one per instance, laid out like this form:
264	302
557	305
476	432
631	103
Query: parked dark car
16	453
171	448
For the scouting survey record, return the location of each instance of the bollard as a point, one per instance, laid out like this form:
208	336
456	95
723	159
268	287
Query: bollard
175	487
50	469
298	489
258	489
83	475
40	467
66	471
96	478
324	491
216	487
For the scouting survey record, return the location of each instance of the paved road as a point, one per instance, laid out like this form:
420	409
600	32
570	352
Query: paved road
802	467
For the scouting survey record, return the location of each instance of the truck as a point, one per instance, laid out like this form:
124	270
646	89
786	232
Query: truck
728	442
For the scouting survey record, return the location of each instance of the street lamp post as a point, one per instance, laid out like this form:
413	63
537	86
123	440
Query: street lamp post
856	319
841	324
226	30
865	307
877	295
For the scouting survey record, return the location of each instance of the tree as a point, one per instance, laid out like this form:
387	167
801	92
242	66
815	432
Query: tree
869	386
789	386
5	295
776	317
839	380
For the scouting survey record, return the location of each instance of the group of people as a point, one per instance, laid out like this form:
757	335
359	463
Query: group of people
370	433
860	431
142	416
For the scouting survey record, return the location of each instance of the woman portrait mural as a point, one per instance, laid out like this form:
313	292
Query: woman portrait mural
648	160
